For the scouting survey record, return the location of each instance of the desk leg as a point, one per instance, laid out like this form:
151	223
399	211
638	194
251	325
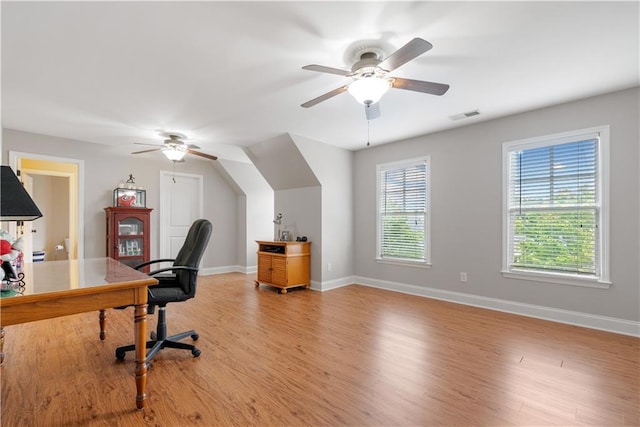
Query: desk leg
1	346
140	321
103	318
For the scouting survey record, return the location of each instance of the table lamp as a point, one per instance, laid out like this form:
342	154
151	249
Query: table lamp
15	205
15	202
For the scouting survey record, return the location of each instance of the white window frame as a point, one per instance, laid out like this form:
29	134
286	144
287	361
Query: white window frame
602	277
426	263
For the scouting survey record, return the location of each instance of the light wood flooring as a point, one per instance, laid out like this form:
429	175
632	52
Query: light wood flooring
351	356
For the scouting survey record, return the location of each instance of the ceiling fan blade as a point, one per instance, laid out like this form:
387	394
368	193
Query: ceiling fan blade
147	151
192	146
144	143
324	97
198	153
372	111
323	69
406	53
420	86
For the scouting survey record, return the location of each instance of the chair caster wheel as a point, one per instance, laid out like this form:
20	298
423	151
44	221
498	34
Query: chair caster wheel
195	352
120	355
153	336
195	337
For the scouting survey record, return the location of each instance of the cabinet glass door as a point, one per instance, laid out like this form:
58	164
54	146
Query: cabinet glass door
130	241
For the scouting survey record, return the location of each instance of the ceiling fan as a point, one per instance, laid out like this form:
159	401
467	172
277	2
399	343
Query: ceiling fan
371	79
175	148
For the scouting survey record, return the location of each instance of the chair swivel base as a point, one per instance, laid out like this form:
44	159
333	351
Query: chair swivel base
160	340
157	345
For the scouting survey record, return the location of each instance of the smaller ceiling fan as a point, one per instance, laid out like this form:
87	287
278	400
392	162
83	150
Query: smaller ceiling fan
175	148
371	79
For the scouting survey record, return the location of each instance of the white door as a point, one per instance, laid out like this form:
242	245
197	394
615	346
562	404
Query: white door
180	204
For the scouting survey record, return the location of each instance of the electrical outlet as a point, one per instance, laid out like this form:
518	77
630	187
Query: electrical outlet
329	266
463	277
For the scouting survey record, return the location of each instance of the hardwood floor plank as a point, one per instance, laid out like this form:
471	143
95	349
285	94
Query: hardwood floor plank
350	356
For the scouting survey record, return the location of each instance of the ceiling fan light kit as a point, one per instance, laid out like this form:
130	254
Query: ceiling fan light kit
174	154
369	90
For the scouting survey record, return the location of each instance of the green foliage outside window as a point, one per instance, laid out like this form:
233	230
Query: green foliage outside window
403	237
556	240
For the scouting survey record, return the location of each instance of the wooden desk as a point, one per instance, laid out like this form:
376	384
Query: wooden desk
60	288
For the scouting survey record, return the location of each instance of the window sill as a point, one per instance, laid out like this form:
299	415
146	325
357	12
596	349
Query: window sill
563	279
416	264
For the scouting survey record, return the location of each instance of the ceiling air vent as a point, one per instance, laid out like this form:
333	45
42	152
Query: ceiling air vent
464	115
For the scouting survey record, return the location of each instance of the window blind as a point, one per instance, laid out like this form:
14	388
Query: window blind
554	208
403	211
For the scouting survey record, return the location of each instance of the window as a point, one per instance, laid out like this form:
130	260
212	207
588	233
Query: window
555	208
403	212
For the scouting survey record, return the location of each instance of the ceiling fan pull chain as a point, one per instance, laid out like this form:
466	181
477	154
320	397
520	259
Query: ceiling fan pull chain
368	144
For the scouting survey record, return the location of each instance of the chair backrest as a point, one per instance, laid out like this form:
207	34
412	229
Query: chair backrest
191	253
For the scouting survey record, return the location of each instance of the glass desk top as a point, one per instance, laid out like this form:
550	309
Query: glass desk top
81	276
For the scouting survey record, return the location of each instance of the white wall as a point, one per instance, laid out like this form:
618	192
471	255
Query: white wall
467	207
106	167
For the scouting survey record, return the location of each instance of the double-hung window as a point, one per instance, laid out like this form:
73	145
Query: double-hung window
403	212
555	199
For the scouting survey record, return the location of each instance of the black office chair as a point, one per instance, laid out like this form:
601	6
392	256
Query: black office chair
176	283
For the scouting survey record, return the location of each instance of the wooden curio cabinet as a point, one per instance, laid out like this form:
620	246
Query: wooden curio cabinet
128	234
284	264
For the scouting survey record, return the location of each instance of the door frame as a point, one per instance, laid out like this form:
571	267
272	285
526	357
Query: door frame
164	214
76	205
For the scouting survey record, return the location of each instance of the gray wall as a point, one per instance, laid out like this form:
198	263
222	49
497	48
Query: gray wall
106	166
334	168
301	215
467	207
255	209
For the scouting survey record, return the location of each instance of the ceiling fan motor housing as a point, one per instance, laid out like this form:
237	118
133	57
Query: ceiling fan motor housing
367	65
172	141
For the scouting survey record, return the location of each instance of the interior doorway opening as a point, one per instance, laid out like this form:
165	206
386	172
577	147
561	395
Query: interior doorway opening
56	185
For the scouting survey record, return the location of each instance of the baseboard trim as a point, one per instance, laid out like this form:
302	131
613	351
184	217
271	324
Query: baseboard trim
226	269
592	321
333	284
586	320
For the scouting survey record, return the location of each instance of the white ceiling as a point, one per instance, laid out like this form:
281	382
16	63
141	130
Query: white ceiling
228	74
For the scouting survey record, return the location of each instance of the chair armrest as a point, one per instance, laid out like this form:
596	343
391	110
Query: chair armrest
155	261
172	268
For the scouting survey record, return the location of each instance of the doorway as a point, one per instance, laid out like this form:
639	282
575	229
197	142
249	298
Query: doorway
56	185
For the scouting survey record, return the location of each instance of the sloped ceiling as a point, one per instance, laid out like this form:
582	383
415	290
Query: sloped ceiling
282	164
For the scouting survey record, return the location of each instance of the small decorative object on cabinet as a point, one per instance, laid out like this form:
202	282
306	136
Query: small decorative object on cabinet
128	195
128	234
284	265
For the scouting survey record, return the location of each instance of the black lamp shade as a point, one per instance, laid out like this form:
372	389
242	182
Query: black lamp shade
15	202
